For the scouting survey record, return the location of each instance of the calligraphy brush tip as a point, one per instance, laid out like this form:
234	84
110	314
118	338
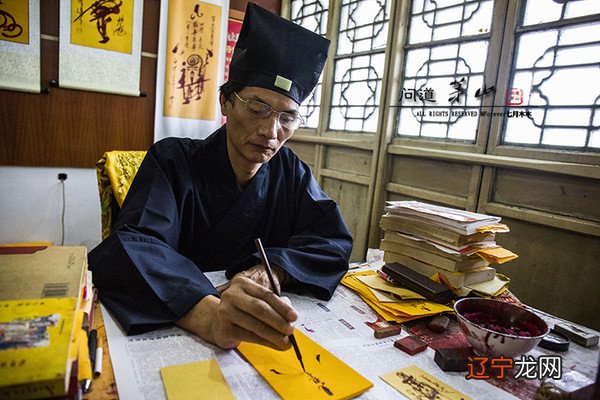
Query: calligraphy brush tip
297	350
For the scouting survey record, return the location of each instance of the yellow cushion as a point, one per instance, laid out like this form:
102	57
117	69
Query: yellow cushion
121	167
115	172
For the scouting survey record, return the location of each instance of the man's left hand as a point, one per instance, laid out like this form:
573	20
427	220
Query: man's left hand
259	275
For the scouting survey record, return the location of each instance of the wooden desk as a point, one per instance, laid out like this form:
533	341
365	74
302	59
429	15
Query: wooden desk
104	386
577	358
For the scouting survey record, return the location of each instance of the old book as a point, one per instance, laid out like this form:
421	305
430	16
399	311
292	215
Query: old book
465	249
461	221
431	231
55	271
34	347
428	254
455	278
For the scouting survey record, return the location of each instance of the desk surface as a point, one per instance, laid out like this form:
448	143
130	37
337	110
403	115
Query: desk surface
104	386
339	325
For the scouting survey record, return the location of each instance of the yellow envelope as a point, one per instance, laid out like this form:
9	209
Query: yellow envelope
326	376
375	282
365	293
493	287
84	370
417	384
404	308
385	297
417	307
494	228
197	380
496	255
351	280
74	347
388	316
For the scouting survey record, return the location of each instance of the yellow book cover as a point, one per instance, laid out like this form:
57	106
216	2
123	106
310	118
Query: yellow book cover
35	336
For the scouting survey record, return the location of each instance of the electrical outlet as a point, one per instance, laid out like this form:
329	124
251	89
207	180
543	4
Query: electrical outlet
62	177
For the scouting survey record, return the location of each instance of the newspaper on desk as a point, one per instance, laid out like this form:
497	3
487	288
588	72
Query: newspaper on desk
338	325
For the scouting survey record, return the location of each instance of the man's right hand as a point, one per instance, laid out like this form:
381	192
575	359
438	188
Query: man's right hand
246	311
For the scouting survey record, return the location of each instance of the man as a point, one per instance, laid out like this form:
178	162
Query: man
197	206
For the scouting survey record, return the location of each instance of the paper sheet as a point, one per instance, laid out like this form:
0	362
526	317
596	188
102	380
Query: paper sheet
417	384
326	376
196	381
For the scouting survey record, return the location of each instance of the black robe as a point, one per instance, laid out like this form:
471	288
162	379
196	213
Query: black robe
185	215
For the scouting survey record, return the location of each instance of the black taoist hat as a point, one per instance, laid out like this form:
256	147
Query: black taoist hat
277	54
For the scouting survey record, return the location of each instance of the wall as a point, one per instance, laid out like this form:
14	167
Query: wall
32	206
74	127
557	270
67	131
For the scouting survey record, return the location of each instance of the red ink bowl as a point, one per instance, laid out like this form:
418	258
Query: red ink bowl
495	328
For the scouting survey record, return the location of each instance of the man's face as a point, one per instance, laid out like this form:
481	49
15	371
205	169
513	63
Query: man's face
251	139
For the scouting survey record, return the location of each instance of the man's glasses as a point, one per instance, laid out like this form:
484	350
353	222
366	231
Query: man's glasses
259	109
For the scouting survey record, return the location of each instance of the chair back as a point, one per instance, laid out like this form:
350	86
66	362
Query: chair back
115	172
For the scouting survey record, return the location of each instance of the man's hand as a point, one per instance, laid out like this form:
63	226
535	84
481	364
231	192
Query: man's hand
259	275
247	311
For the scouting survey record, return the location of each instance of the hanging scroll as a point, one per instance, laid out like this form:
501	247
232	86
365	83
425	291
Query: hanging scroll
101	45
20	45
233	33
191	58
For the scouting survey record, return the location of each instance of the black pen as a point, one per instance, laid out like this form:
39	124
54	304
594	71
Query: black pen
275	289
92	344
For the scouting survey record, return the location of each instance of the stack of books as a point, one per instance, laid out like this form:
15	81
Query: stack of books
44	295
456	245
